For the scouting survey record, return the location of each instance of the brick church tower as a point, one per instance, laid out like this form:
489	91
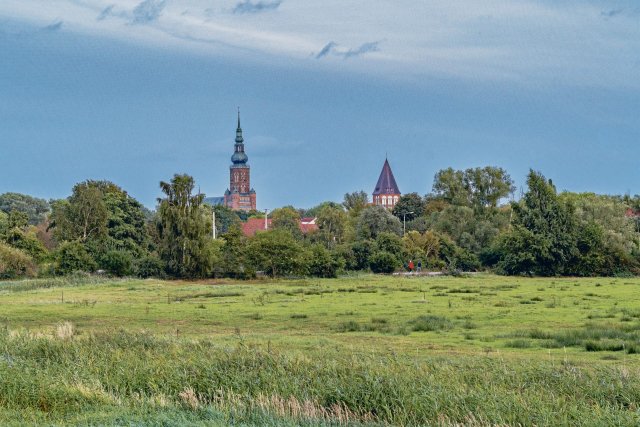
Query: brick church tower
386	193
240	195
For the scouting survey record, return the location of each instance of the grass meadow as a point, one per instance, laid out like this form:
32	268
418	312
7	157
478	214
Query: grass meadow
358	350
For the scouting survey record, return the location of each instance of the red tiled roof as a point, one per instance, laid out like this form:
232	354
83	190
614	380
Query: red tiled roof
253	225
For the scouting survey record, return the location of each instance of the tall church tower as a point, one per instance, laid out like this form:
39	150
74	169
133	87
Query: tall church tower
386	193
240	195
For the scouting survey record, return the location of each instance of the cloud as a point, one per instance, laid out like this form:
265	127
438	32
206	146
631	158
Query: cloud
54	26
326	49
148	11
331	48
611	13
247	6
362	49
106	12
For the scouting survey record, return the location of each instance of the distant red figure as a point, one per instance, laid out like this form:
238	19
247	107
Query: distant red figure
411	265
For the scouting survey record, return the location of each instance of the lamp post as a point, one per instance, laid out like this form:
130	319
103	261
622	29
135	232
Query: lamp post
266	226
404	222
213	223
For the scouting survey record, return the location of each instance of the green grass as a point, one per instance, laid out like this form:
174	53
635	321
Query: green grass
367	349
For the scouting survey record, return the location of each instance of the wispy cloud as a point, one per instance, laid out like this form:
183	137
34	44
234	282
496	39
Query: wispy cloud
247	6
55	26
326	49
362	49
148	11
106	12
332	48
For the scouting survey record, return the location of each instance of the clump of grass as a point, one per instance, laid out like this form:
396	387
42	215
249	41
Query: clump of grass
65	330
299	316
380	320
430	323
348	326
219	294
518	343
255	316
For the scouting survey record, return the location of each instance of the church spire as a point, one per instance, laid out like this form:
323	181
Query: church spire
239	139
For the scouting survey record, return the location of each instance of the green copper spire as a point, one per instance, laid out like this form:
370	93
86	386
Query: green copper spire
239	157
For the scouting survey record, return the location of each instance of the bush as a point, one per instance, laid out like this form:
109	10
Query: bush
383	262
117	263
72	256
149	266
322	263
14	263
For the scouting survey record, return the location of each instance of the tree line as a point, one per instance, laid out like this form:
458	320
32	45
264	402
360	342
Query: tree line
466	223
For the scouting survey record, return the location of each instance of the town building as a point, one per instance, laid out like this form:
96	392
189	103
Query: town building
240	195
386	193
252	225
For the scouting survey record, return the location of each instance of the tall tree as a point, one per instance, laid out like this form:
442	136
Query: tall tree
355	202
286	218
332	224
82	216
543	238
374	220
35	208
409	207
478	187
185	244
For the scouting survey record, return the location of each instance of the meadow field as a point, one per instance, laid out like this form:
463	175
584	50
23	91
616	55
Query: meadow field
363	349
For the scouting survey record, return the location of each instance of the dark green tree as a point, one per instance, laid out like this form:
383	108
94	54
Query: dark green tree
409	207
374	220
277	253
185	243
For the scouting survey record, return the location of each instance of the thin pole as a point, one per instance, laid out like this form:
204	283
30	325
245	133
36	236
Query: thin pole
266	224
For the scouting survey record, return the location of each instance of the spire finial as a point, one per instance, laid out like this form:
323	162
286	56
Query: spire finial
238	117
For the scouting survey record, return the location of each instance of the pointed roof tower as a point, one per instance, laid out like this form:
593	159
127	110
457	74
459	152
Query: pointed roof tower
386	182
239	157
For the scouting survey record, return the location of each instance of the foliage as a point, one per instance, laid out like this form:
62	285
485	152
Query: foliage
233	258
117	263
286	218
421	245
14	263
225	218
71	257
383	262
34	208
277	253
409	207
82	216
322	263
542	240
332	224
478	187
355	202
374	220
391	243
185	243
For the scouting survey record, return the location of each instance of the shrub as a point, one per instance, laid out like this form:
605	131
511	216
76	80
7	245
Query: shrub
149	266
72	256
321	263
430	323
14	263
117	263
383	262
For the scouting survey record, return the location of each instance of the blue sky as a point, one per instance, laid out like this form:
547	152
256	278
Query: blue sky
135	91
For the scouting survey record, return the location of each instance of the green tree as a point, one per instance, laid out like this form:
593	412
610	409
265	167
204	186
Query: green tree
185	243
72	256
332	224
322	263
14	263
355	202
409	207
225	218
286	218
277	253
375	220
234	250
477	188
543	238
82	216
36	209
383	262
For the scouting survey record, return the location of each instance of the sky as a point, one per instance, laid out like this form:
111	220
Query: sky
136	91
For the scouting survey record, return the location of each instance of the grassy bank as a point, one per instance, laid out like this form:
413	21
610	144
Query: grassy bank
139	378
360	350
